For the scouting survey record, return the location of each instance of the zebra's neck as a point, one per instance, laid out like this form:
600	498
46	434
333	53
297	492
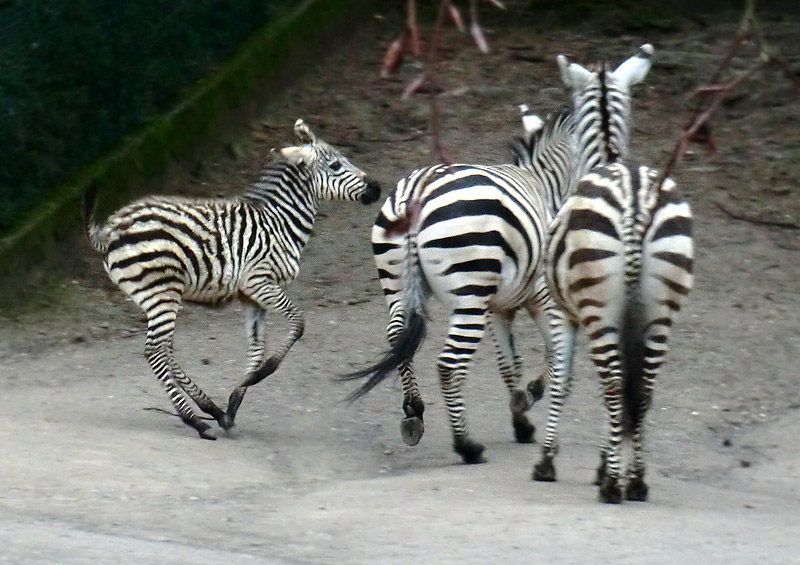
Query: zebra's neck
602	116
287	200
549	156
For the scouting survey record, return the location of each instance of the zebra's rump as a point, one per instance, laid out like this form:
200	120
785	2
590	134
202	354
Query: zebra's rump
621	234
480	233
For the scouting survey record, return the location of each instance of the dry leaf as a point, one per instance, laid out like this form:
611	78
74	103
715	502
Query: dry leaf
393	56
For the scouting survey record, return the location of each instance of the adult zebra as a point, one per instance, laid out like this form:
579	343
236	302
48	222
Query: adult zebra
472	236
619	263
161	251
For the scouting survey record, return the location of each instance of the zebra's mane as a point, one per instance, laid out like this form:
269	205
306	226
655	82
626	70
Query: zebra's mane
273	179
526	150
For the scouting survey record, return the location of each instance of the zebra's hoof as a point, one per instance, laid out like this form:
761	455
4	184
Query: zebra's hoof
225	422
471	452
610	491
204	431
544	470
523	429
536	389
520	401
412	429
636	489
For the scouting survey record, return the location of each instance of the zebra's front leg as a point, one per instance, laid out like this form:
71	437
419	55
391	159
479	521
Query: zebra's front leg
453	362
562	331
265	295
510	365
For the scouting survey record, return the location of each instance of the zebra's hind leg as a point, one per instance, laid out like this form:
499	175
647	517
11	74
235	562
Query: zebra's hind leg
510	365
563	333
610	489
412	426
265	295
158	348
466	331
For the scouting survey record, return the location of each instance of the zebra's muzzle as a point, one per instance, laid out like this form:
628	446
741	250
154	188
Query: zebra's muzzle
371	193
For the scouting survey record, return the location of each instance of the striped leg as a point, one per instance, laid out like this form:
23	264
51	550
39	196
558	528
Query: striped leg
510	365
563	335
254	324
267	295
607	361
158	348
412	427
542	308
466	331
655	349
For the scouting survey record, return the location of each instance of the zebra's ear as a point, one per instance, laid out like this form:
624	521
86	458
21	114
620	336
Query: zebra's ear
298	156
572	74
303	133
634	70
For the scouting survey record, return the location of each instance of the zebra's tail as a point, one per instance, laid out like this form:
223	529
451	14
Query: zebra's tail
634	326
93	230
405	345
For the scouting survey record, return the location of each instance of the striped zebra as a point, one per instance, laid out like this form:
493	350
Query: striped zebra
161	251
473	237
618	263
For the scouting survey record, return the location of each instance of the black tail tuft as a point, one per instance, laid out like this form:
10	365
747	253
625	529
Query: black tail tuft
88	203
402	350
633	347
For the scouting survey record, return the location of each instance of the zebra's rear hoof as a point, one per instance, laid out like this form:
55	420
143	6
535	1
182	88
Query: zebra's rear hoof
412	429
536	389
520	401
523	429
636	489
544	470
203	430
610	491
471	452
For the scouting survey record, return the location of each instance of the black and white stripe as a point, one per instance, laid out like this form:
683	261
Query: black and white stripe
162	251
472	236
619	264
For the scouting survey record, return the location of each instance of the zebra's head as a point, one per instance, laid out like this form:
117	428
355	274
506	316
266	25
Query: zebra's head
602	104
333	176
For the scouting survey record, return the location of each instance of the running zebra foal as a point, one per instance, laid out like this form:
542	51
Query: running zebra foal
619	263
472	236
162	251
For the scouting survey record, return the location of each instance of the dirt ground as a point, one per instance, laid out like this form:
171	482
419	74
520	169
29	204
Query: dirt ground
90	473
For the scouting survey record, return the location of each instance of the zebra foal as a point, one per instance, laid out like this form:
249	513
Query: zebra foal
164	250
473	237
618	263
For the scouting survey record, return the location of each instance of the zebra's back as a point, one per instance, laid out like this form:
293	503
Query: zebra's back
188	244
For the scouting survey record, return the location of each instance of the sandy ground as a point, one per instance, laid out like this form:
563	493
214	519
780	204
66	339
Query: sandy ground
90	473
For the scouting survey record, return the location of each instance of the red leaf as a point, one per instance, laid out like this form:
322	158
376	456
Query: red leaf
393	56
414	85
477	35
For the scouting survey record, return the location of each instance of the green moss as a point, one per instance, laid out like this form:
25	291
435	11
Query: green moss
122	173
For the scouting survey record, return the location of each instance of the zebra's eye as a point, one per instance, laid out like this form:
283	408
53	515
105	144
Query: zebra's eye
335	166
